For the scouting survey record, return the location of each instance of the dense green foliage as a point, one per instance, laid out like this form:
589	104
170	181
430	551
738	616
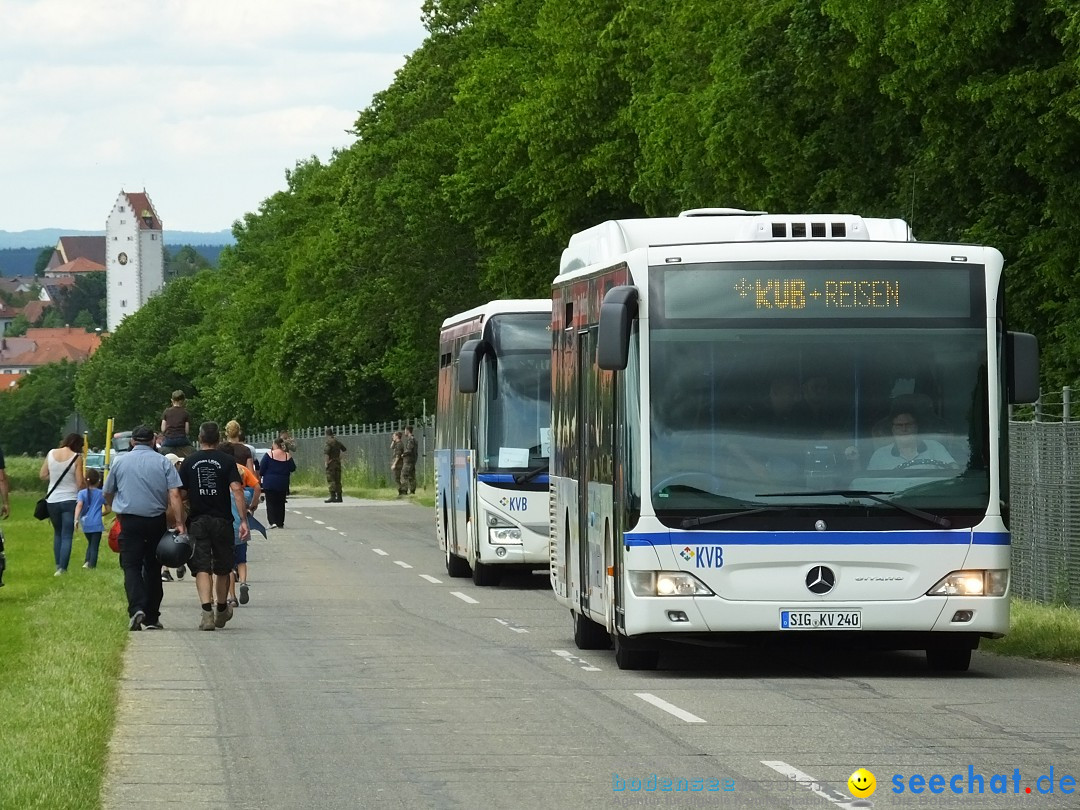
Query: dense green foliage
518	122
33	413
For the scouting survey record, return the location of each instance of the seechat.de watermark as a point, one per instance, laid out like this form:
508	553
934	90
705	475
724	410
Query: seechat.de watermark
666	784
972	782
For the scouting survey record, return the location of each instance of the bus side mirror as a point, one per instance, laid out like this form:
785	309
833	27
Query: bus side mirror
469	365
1022	367
617	313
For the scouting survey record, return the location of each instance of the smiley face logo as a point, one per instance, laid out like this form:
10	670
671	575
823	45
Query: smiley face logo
862	783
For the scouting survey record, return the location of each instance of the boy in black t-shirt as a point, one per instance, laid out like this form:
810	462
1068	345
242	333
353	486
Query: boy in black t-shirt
211	485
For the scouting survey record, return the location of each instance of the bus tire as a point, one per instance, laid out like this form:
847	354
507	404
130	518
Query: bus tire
588	635
948	659
484	574
628	657
455	566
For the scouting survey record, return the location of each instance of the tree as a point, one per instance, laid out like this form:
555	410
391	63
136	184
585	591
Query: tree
34	413
43	261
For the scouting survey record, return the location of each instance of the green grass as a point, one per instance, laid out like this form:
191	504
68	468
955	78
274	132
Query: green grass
61	652
1040	631
355	482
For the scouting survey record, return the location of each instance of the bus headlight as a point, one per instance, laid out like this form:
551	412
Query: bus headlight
504	535
987	582
666	583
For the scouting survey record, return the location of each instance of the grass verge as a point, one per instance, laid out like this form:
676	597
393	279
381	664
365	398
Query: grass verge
1048	632
61	652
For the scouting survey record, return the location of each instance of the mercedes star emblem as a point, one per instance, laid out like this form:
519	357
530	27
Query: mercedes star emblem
820	579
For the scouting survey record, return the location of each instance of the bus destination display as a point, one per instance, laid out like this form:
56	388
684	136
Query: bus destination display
718	291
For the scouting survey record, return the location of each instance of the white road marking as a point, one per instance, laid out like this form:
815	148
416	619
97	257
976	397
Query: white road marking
343	534
570	658
431	579
509	626
815	786
380	552
670	708
321	522
331	529
402	564
464	597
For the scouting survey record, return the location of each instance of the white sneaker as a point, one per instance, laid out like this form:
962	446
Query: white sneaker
59	572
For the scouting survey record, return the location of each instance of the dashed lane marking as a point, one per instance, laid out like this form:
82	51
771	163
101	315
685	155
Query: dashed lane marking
569	657
815	786
670	708
430	579
511	626
464	597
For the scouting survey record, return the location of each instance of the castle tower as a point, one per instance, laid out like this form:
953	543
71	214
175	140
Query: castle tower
134	255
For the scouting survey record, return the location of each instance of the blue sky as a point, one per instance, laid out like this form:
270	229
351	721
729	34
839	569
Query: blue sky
204	103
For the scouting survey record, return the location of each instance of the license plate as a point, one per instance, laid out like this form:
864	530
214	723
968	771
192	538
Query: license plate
820	620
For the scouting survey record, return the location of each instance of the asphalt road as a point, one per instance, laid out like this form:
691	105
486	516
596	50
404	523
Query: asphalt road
361	675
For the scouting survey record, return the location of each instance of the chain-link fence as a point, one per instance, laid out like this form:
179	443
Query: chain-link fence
1044	461
1044	472
367	449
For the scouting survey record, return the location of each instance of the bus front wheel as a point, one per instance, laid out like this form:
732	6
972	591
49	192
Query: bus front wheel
484	574
455	566
631	657
948	659
588	635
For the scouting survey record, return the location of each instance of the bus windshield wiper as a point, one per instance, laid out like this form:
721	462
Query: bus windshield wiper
687	523
529	475
937	520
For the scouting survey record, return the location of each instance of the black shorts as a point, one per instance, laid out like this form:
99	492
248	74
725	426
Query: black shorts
213	538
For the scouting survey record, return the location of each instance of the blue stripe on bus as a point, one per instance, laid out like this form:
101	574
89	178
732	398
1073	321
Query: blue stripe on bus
815	538
508	478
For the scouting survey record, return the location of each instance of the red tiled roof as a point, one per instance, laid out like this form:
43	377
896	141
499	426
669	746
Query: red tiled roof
9	381
80	264
71	248
145	214
41	346
35	309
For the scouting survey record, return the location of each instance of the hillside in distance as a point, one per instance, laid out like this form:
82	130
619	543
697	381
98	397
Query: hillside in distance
47	237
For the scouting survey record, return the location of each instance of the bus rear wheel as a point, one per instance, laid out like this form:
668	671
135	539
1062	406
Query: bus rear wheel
588	635
630	657
948	659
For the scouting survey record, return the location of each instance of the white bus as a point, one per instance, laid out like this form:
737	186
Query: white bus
492	437
787	426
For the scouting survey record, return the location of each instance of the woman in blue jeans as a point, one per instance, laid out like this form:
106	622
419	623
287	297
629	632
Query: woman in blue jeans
63	470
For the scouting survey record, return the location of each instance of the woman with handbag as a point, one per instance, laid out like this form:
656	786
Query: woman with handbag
64	473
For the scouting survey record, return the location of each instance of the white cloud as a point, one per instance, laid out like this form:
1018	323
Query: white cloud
205	103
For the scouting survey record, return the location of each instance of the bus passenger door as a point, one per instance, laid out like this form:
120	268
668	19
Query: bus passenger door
590	522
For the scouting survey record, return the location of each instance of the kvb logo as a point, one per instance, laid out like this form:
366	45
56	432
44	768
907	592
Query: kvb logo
710	557
516	504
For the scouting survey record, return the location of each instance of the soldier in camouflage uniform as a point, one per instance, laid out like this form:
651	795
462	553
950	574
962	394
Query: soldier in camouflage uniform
333	451
409	452
397	446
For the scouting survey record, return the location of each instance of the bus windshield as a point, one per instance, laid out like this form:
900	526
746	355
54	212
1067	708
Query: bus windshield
810	415
515	414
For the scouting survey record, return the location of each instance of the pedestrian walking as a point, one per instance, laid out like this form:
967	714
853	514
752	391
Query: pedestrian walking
277	468
409	453
143	489
396	449
90	515
332	453
212	485
64	472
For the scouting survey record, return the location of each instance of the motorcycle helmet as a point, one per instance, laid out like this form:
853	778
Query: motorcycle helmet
174	549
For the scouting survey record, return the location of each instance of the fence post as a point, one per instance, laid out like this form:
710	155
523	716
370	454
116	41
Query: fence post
1066	398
